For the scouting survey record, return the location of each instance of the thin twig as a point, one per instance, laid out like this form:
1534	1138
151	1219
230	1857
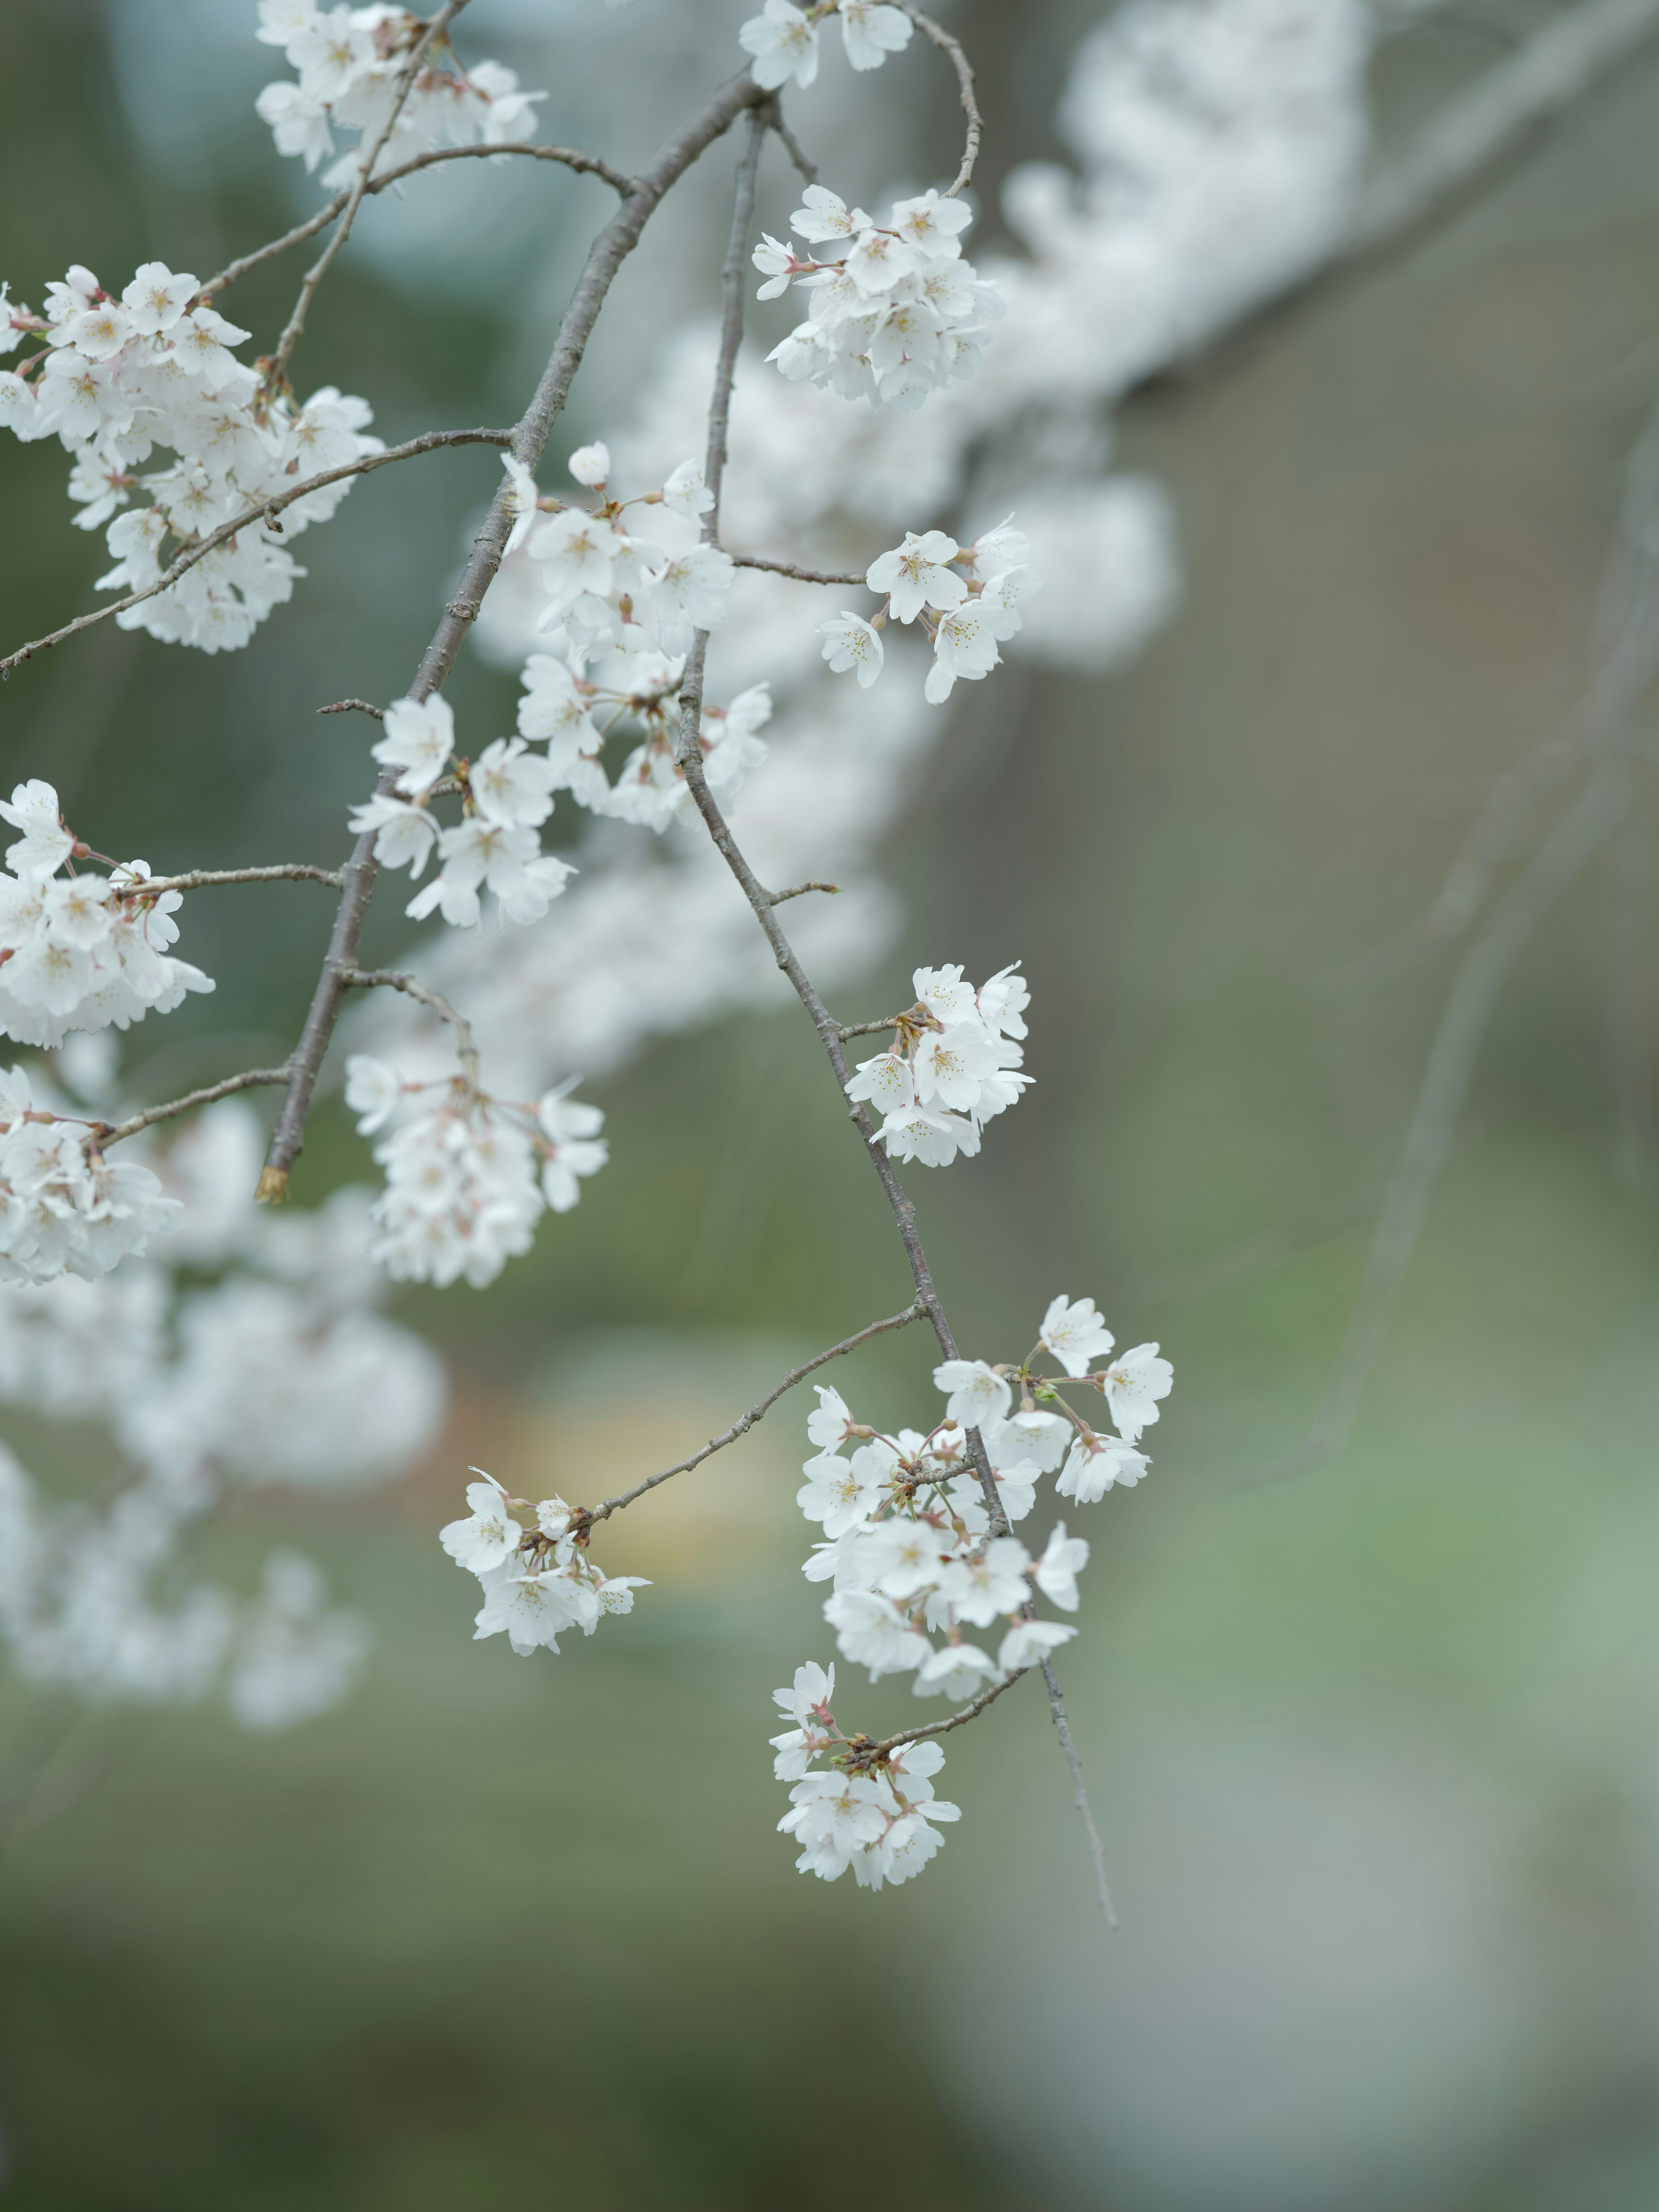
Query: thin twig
1629	665
264	513
969	1713
689	758
953	50
867	1029
584	164
1063	1731
788	569
394	979
797	891
610	249
354	707
107	1133
807	170
741	1425
296	872
276	373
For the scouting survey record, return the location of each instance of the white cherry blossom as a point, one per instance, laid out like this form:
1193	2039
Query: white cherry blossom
784	43
1075	1332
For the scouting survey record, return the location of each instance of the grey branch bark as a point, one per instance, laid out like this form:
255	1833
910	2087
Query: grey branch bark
758	1412
252	1079
264	513
610	250
395	979
198	879
690	760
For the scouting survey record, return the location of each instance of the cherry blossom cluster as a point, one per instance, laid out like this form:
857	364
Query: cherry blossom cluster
116	377
349	61
784	39
468	1177
873	1809
897	315
279	1371
954	1062
917	1549
79	952
495	846
62	1204
537	1582
966	597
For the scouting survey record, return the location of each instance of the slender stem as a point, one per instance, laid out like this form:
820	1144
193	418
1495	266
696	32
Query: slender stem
262	515
741	1425
277	369
808	170
969	1713
951	48
107	1133
867	1029
298	871
609	251
394	979
584	164
797	891
788	569
354	707
1063	1731
830	1032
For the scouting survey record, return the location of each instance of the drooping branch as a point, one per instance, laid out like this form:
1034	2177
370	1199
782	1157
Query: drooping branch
394	979
263	512
788	569
568	156
276	373
689	756
758	1412
289	871
108	1133
867	1753
951	49
610	249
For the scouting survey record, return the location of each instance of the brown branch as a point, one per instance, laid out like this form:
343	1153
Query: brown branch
264	513
354	707
951	49
758	1412
276	373
297	871
787	568
569	156
807	170
394	979
106	1133
869	1753
796	890
609	251
867	1029
690	760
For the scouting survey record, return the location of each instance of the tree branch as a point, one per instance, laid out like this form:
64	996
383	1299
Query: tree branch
609	251
107	1133
298	871
584	164
263	514
951	49
690	761
788	569
741	1425
275	375
394	979
797	891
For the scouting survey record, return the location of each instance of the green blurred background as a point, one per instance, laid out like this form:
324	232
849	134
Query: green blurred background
1373	1747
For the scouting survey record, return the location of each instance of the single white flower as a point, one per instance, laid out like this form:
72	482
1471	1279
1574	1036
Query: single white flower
850	642
1075	1332
1028	1642
916	574
157	299
784	43
373	1091
489	1536
977	1392
1093	1467
420	737
1135	1382
404	832
1055	1573
870	31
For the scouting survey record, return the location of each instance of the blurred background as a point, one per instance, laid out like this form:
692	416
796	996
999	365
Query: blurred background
1373	1745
